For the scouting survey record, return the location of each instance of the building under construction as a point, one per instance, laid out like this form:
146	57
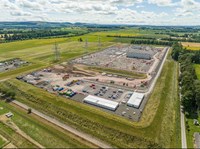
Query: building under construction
140	53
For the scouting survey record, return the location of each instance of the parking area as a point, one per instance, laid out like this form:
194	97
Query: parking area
78	90
11	64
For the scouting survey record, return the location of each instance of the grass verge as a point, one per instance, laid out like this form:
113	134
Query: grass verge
41	131
123	73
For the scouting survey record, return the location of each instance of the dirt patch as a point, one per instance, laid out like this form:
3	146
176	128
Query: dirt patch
10	145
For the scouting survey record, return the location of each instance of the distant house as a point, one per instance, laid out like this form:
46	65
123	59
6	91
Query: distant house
196	140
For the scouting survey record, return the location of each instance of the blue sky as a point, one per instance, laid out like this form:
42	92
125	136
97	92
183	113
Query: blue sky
145	12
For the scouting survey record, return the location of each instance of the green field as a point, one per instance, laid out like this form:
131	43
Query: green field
197	69
14	137
39	130
2	142
41	53
190	133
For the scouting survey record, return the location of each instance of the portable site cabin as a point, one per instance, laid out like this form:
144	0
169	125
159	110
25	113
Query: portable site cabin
100	102
135	100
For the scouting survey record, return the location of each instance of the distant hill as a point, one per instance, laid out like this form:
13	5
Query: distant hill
39	24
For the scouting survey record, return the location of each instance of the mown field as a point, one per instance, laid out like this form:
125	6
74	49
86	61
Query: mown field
41	53
132	32
197	69
191	45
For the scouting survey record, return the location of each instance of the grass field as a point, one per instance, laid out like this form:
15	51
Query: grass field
152	130
14	137
41	56
197	69
189	134
118	72
40	130
133	32
191	45
2	142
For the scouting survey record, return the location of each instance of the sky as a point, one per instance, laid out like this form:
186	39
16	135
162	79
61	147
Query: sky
136	12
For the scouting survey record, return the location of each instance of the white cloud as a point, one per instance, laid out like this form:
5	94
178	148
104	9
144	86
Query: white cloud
161	2
101	11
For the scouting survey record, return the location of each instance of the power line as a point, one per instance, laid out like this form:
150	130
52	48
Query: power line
99	41
56	51
86	45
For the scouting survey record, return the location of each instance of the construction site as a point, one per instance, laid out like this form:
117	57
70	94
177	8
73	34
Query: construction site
115	80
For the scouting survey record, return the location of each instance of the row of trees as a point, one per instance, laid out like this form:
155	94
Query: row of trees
190	85
38	34
7	93
135	37
152	42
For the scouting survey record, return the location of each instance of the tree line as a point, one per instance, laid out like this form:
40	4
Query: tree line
152	42
190	85
38	34
172	38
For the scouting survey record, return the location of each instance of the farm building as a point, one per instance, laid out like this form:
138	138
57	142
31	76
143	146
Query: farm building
135	100
100	102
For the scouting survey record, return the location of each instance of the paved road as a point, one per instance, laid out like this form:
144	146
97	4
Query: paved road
183	134
158	73
82	135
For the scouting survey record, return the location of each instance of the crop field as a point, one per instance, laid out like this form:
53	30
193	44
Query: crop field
191	45
117	131
197	69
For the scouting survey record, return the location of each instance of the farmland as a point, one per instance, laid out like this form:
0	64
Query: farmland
191	46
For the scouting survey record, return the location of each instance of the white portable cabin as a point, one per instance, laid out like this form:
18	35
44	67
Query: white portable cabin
135	100
100	102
